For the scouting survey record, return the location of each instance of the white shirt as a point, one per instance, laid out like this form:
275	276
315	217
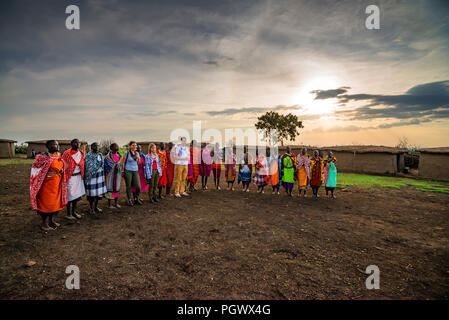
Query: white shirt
182	152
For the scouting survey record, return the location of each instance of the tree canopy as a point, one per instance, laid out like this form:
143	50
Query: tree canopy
286	126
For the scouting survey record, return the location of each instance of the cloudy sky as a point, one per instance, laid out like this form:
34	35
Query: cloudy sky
139	69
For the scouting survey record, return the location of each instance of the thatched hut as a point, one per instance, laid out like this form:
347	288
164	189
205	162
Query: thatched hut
7	148
39	146
433	163
369	159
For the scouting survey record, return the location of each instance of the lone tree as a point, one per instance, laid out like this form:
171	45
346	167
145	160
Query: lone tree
287	126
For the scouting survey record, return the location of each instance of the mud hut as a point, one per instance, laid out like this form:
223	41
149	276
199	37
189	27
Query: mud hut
39	146
433	163
369	159
7	149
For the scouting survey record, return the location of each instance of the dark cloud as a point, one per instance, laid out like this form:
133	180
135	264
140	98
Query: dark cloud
402	123
211	62
232	111
429	100
327	94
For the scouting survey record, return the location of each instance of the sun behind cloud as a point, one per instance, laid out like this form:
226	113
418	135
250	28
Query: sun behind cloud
306	98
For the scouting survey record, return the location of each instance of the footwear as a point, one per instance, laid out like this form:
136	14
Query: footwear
156	199
274	192
130	203
54	226
247	190
70	217
76	215
185	194
118	206
177	195
139	202
151	200
279	192
262	191
98	210
218	188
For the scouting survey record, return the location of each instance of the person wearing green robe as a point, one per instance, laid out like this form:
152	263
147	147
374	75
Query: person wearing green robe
288	170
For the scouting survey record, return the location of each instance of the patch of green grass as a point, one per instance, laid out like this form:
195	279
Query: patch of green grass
6	162
367	181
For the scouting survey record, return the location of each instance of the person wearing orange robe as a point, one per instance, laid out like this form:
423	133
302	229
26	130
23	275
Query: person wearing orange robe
48	191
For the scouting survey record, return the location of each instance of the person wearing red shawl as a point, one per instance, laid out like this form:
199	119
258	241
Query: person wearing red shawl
206	166
261	178
195	157
163	178
217	156
74	175
48	191
170	168
141	170
316	172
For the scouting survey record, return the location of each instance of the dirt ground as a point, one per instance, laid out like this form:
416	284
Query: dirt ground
230	245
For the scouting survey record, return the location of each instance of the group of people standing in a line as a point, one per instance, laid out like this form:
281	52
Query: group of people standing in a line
61	181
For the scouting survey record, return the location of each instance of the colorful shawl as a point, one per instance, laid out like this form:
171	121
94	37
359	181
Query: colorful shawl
70	164
163	157
230	162
39	171
304	162
316	177
113	172
330	172
261	169
92	164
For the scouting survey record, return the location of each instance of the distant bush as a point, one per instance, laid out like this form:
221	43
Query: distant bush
22	149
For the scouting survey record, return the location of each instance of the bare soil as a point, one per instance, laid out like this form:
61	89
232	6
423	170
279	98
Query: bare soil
230	245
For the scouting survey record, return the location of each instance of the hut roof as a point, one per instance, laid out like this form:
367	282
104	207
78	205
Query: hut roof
59	141
434	150
7	140
366	149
